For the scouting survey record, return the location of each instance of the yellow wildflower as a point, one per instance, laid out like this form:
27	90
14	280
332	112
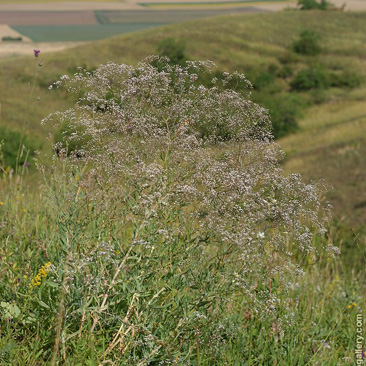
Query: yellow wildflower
354	304
1	203
42	273
349	306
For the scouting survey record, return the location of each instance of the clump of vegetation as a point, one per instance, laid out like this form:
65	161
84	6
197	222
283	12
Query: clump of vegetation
11	39
284	110
174	50
263	77
315	5
311	78
17	148
173	238
308	44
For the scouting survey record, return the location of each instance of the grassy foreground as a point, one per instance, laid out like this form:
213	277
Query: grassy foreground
320	315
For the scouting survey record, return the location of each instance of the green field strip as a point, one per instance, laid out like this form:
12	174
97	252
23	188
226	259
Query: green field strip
164	16
75	33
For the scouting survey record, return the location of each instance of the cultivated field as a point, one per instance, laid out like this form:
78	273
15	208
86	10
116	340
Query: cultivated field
70	22
15	18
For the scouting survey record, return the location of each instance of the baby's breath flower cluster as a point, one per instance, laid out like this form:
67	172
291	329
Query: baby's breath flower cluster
186	185
182	143
42	273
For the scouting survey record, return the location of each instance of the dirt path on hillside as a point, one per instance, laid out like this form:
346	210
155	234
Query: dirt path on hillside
9	49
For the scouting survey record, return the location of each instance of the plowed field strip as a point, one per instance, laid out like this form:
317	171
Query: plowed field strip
47	18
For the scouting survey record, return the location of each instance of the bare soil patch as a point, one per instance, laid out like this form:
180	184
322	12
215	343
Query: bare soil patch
8	49
47	17
6	31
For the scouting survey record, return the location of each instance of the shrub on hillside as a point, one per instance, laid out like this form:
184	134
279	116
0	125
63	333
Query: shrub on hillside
284	110
262	77
174	50
314	4
308	43
311	78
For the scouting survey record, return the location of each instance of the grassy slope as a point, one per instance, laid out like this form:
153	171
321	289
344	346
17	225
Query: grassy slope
330	142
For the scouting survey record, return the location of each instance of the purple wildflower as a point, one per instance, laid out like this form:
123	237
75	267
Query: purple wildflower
36	52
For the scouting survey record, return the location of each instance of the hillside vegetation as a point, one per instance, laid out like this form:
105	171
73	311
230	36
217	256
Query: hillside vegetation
332	119
193	248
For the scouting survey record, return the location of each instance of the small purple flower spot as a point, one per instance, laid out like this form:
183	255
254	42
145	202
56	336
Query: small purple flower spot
36	52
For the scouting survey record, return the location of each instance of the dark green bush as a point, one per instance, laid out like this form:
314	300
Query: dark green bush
174	50
311	78
12	142
284	109
11	39
308	43
262	77
313	4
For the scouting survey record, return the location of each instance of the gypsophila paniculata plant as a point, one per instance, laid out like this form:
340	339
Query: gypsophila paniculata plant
173	210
